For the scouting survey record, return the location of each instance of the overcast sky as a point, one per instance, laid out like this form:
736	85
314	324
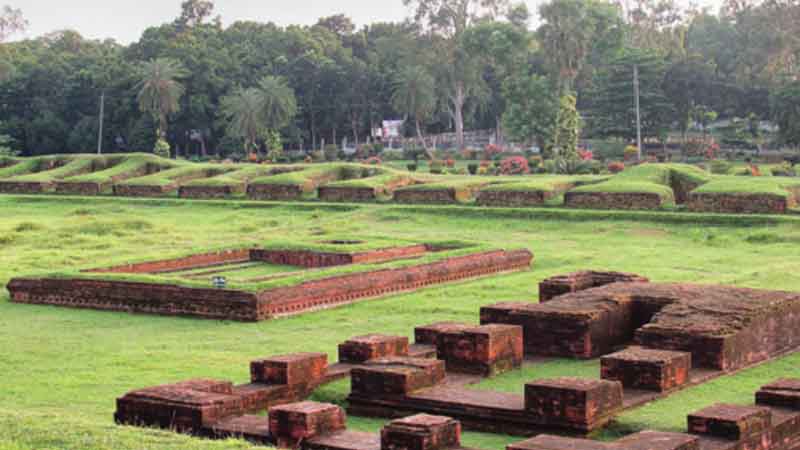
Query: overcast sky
124	20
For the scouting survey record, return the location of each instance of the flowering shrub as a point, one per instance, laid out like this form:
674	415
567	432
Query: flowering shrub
373	160
585	155
712	151
616	166
486	163
436	166
755	170
515	165
492	150
450	162
631	152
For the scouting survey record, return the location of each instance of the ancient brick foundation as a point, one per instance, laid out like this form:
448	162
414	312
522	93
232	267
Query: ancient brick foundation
724	328
740	203
211	192
348	194
513	199
427	196
274	192
579	281
210	259
641	368
612	200
83	188
143	190
486	350
372	346
24	187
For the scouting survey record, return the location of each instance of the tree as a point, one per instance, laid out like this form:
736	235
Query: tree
532	108
159	90
338	24
704	116
786	112
415	96
11	22
564	143
570	30
279	103
459	74
194	13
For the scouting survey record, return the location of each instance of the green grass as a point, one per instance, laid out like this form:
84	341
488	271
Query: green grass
63	368
545	183
182	173
750	185
76	166
308	175
130	164
30	166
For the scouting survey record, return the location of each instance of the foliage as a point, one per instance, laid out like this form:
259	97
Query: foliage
616	167
516	165
786	110
331	152
162	149
159	90
532	108
473	168
436	166
564	141
720	167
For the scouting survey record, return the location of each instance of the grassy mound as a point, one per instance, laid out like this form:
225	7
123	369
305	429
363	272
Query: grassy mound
545	183
183	172
28	166
130	166
779	186
78	165
643	179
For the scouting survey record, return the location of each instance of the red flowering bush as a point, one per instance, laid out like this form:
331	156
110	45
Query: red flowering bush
450	162
374	160
755	170
712	151
515	165
486	163
585	155
492	150
616	166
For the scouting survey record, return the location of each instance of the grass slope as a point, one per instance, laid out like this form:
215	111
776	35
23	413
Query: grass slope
125	168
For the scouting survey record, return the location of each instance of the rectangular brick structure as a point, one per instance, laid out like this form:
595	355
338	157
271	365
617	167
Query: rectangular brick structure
643	440
734	422
575	403
428	334
372	346
642	368
486	350
293	423
396	376
292	370
783	393
421	432
578	281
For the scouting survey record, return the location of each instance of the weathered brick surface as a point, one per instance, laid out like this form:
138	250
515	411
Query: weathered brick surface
429	334
609	200
344	440
211	192
578	281
514	198
641	368
315	259
434	196
274	192
83	188
185	263
421	432
24	187
395	376
576	403
644	440
292	423
784	393
724	328
372	346
142	190
252	428
295	369
740	203
735	422
486	350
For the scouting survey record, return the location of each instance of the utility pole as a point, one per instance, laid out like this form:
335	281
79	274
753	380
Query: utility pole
100	131
638	112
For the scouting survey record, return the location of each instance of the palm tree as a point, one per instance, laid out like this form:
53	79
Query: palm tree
251	113
159	90
414	95
243	111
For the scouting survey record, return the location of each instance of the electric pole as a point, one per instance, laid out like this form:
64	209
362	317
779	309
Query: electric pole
100	131
638	112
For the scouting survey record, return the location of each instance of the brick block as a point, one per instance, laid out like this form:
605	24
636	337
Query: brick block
550	442
578	281
734	422
658	440
577	403
784	393
292	423
372	346
421	432
486	350
396	376
641	368
291	370
428	334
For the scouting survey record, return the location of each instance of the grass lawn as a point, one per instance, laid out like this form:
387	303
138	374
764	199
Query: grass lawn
62	369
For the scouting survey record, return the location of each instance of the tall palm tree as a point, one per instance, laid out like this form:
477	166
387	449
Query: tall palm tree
243	111
160	91
279	102
415	96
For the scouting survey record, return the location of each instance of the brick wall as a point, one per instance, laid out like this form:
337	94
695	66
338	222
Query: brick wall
606	200
739	203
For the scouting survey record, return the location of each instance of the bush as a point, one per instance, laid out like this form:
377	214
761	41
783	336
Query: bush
535	162
378	148
720	167
450	162
784	170
412	167
318	156
392	155
472	168
162	148
516	165
373	160
492	150
631	152
365	151
616	166
331	152
549	166
482	170
436	167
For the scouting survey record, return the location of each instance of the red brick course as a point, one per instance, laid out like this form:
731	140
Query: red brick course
574	403
578	281
615	200
211	192
372	346
292	423
486	350
740	203
421	432
641	368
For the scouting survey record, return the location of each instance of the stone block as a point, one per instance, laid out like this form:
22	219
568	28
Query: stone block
485	350
783	393
295	422
734	422
396	376
421	432
291	370
428	334
550	442
658	440
372	346
576	403
563	284
641	368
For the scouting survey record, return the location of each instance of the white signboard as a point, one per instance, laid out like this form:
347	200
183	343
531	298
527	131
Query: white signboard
392	129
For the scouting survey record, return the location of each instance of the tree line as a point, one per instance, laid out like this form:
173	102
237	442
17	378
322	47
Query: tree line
197	87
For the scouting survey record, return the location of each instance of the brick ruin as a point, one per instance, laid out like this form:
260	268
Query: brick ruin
613	200
231	304
724	328
515	198
741	203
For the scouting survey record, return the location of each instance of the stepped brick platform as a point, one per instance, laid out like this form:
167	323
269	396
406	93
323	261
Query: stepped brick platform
25	187
486	350
724	328
613	200
172	298
579	281
513	199
144	190
774	424
274	192
641	368
372	346
211	192
740	203
429	196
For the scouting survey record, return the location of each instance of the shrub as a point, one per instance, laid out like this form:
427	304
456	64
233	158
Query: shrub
412	167
162	148
585	155
331	152
373	160
365	151
616	166
720	167
486	163
482	170
491	151
516	165
318	156
535	162
436	166
450	162
631	152
549	166
473	168
392	155
784	170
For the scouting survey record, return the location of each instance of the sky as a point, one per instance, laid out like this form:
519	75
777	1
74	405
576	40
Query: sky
125	20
